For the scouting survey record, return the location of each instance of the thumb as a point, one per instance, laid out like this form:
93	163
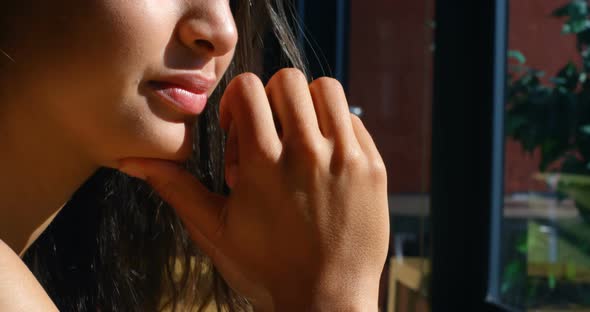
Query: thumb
231	157
201	210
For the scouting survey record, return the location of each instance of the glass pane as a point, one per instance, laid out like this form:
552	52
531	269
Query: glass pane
386	65
390	78
546	227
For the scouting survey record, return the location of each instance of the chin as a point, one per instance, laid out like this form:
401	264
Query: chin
168	144
177	153
168	140
182	155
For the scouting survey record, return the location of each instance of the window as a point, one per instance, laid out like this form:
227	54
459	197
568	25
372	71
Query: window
545	250
382	52
488	160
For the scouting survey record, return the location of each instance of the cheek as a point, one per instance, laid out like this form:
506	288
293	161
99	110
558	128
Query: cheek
93	47
122	125
87	72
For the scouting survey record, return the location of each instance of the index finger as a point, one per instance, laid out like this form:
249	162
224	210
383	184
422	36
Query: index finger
245	103
201	210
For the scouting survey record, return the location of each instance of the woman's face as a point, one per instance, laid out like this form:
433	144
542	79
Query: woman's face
83	68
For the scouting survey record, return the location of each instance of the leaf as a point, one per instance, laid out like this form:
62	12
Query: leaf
567	77
567	180
552	281
523	248
579	7
577	180
517	55
577	11
576	186
561	11
585	129
584	37
512	269
558	80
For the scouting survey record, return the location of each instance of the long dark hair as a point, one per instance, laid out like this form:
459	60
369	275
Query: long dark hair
116	246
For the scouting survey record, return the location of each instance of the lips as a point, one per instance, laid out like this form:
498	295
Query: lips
186	93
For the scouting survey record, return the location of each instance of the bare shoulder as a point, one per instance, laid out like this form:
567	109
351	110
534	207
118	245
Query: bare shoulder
19	289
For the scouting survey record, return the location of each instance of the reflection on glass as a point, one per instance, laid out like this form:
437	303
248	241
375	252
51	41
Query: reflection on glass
391	61
546	231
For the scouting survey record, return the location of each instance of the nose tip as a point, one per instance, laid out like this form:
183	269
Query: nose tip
211	30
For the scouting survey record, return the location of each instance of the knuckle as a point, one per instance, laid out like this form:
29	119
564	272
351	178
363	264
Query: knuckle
264	152
286	76
356	119
378	171
307	149
326	83
300	142
305	157
269	155
241	84
238	88
245	81
349	160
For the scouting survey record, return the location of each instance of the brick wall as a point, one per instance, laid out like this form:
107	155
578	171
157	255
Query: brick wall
391	79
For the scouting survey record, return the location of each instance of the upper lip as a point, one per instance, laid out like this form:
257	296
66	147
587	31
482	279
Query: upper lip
194	83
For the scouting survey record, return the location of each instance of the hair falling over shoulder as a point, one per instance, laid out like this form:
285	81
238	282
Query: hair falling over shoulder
116	246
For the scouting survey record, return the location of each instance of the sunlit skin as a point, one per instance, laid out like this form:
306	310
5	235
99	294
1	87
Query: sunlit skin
306	225
75	99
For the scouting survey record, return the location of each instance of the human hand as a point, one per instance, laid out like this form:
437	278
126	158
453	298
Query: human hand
306	226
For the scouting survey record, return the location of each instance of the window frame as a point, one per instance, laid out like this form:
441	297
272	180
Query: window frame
468	154
467	140
325	36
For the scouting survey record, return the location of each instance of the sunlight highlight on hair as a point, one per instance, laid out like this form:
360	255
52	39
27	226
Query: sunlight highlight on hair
8	56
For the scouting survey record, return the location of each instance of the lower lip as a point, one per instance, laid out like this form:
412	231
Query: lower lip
185	101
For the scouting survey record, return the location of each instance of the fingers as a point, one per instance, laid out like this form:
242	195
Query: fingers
364	138
306	113
332	110
246	105
193	202
288	92
370	149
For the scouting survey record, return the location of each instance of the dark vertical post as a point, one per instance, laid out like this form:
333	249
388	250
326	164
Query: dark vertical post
467	160
326	25
497	166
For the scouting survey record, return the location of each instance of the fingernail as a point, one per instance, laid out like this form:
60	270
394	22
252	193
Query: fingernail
132	169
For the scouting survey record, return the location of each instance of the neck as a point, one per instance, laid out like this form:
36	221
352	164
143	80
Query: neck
40	172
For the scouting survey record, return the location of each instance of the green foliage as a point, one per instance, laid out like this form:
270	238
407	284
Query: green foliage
554	116
517	55
576	11
577	187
